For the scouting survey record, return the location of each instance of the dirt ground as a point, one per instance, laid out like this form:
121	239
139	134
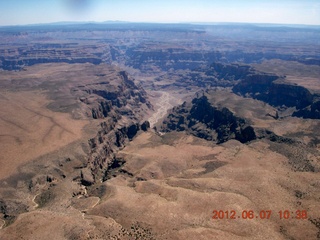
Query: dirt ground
29	130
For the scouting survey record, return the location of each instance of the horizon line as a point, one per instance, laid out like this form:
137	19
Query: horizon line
154	22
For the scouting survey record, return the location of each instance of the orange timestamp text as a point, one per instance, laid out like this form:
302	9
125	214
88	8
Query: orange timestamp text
263	214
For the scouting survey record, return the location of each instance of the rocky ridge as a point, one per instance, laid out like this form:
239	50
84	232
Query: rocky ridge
203	120
30	54
112	137
275	91
85	162
117	96
163	58
121	104
216	74
247	82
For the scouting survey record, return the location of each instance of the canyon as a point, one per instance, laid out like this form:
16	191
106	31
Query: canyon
143	131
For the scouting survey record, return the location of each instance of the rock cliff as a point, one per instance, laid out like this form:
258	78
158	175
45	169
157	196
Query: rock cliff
122	104
36	53
104	146
312	111
228	71
275	91
120	96
216	74
264	87
203	120
154	58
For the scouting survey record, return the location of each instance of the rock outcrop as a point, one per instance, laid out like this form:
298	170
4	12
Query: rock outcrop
255	84
121	103
36	53
312	111
217	74
273	90
104	146
8	64
154	58
203	120
228	71
264	87
111	98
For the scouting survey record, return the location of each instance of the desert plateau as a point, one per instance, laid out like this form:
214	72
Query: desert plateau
159	131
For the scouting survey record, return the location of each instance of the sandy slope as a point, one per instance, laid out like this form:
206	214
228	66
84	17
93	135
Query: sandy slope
28	129
170	186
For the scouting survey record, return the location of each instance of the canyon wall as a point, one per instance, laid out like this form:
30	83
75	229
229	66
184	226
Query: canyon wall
203	120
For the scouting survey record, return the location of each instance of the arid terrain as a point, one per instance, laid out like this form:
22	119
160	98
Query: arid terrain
142	131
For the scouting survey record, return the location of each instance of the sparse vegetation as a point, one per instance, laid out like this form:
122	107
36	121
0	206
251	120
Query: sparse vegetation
78	159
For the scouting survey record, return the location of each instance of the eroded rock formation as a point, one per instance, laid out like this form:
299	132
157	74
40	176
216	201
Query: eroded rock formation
112	137
119	96
203	120
273	90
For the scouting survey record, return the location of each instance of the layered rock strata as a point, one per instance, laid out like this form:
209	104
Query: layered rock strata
203	120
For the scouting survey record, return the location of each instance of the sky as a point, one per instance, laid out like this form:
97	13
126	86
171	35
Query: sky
21	12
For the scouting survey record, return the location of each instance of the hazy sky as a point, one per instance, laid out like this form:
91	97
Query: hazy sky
14	12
